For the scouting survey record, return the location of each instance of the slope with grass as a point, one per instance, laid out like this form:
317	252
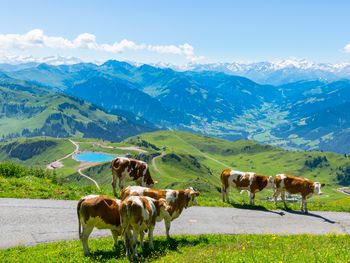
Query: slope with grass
18	181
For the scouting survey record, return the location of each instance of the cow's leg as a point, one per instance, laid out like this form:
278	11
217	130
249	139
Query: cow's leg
121	184
283	197
150	236
114	183
142	236
128	244
251	197
302	204
85	237
225	194
223	191
136	233
275	195
115	235
167	222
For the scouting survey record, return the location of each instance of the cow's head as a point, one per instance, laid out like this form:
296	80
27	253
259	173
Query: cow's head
148	180
191	195
270	182
317	188
163	208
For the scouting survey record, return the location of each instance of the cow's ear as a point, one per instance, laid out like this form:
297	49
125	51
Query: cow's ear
196	193
322	185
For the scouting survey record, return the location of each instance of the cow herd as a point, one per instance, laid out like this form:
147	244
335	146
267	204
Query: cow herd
140	207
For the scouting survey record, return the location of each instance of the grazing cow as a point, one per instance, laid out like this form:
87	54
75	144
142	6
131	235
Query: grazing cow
252	182
296	185
98	211
140	213
130	169
177	200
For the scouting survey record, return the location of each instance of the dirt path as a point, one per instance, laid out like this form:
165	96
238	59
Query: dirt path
154	162
344	190
84	166
34	221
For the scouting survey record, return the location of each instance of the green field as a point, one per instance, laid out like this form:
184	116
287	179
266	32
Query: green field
203	248
185	159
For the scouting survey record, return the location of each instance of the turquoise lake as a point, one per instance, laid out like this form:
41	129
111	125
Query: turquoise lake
93	157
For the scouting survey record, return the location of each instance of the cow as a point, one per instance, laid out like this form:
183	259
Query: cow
130	169
98	211
139	214
250	181
296	185
177	200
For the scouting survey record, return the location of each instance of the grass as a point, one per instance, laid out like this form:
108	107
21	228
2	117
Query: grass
202	248
33	187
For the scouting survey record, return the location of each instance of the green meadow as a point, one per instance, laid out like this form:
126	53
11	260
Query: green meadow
203	248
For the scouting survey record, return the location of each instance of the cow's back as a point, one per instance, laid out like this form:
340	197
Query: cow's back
296	185
102	208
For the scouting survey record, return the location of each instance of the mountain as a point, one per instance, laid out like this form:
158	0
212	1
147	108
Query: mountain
178	100
30	110
277	73
214	103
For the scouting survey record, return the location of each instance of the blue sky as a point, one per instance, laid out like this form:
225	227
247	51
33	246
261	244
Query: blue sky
178	31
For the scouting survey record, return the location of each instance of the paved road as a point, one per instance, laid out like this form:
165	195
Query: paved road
33	221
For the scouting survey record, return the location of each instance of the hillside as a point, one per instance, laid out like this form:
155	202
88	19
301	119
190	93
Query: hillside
30	110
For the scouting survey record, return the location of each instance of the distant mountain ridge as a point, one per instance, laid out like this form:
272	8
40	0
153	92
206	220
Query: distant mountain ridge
306	114
30	110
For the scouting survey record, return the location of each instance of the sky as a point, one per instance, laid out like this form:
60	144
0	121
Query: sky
177	32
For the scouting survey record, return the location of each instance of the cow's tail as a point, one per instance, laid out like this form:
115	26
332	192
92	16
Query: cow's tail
79	222
223	183
125	217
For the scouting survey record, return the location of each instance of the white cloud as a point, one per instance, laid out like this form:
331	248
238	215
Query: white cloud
347	48
37	39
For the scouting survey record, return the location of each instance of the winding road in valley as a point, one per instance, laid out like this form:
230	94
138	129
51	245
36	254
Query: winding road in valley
83	165
34	221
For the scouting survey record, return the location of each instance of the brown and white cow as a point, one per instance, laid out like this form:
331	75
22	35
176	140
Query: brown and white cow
140	213
130	169
98	211
177	200
250	181
296	185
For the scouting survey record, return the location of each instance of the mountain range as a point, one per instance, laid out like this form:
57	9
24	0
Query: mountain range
309	113
29	110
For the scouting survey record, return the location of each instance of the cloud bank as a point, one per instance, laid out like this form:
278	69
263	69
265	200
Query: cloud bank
36	38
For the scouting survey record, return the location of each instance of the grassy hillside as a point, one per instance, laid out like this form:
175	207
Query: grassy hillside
29	110
35	151
17	181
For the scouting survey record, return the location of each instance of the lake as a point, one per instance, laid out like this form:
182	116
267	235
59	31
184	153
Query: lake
93	157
